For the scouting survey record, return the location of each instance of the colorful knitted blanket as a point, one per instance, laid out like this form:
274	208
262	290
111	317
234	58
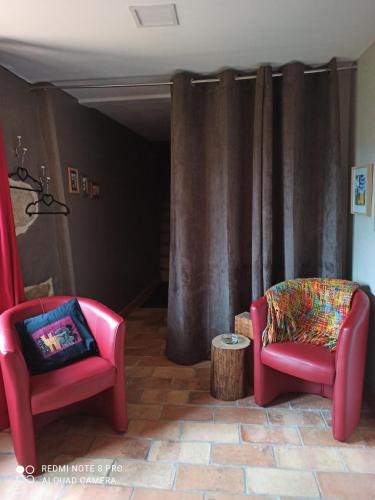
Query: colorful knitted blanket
309	310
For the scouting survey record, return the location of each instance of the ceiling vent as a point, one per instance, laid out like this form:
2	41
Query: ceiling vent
151	16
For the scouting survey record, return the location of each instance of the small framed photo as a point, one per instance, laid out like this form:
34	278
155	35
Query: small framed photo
95	190
85	185
73	180
361	190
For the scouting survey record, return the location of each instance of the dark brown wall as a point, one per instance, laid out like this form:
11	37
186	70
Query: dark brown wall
18	116
113	241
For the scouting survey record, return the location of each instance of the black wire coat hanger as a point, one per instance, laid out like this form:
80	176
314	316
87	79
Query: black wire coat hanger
47	200
21	173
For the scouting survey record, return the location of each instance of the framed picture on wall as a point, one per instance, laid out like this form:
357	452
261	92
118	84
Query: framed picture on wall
73	180
85	185
361	190
95	190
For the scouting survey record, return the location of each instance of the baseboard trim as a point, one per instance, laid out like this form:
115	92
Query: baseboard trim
139	299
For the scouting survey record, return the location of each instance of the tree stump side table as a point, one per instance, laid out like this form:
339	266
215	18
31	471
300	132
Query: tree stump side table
228	368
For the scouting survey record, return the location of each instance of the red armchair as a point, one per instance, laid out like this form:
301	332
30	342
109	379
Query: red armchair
296	367
94	385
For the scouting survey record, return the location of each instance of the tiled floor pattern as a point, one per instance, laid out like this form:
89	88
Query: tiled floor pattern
184	445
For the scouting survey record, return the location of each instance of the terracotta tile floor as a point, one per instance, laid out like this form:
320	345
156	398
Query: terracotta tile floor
182	444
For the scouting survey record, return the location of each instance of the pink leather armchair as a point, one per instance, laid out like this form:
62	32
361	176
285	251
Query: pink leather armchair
94	385
296	367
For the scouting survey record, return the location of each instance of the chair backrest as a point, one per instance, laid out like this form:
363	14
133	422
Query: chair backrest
360	307
308	310
360	301
35	307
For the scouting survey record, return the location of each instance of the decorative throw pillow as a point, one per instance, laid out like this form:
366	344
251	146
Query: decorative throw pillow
56	338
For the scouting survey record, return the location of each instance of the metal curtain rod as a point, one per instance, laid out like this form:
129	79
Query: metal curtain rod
41	86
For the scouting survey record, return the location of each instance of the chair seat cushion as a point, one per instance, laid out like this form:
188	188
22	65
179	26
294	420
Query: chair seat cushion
70	384
306	361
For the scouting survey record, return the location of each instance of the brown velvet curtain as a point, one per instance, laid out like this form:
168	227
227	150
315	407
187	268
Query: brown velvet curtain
259	193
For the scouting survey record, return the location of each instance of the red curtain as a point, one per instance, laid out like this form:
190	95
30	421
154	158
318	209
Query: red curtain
11	283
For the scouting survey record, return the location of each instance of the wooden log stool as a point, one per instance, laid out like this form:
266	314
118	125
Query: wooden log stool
229	368
243	325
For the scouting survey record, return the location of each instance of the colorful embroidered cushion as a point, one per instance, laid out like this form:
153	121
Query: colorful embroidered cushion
309	310
56	338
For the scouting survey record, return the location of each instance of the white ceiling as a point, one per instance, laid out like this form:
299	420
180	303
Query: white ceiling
89	39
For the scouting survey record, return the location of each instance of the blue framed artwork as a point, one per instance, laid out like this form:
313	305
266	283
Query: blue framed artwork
361	190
